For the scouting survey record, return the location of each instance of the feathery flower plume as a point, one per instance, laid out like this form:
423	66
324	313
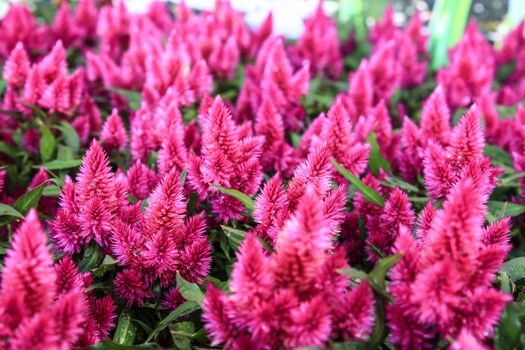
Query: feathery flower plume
29	299
383	232
384	71
227	159
470	72
361	89
293	297
435	118
435	283
341	141
462	157
141	180
113	134
319	44
17	67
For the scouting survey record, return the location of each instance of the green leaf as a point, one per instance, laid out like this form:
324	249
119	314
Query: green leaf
126	329
235	236
103	268
62	164
70	135
48	143
296	139
184	309
515	268
369	194
505	180
498	155
509	331
353	272
29	199
395	182
181	333
498	210
190	291
6	210
183	176
51	191
93	256
109	345
133	97
245	199
65	152
377	277
376	160
8	150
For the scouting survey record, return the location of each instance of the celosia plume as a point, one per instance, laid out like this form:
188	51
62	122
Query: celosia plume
293	297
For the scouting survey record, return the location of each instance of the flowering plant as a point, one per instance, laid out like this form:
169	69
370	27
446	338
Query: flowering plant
175	179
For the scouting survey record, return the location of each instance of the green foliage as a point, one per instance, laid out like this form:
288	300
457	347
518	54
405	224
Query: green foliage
369	194
245	199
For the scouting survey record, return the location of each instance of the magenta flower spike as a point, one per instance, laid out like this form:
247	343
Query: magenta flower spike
17	67
434	279
113	134
292	297
32	312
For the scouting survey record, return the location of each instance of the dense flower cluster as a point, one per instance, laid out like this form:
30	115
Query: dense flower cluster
46	305
293	297
293	194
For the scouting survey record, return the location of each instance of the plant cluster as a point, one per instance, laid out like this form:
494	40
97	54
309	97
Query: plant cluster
177	180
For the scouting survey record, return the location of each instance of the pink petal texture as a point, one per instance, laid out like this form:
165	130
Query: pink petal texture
41	305
293	296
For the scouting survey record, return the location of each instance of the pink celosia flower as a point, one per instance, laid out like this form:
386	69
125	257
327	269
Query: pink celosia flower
384	71
455	264
132	287
113	134
435	118
163	238
89	207
341	141
227	159
463	156
142	138
141	180
471	69
172	299
385	29
277	154
86	16
17	66
65	27
383	232
32	314
319	44
31	140
173	152
361	90
3	174
293	297
273	78
19	25
271	208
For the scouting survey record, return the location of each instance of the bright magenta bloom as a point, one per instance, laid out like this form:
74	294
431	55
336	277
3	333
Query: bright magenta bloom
293	297
470	72
434	285
228	159
46	306
113	134
319	45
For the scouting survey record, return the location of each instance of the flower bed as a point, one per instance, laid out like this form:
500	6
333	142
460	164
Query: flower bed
176	180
